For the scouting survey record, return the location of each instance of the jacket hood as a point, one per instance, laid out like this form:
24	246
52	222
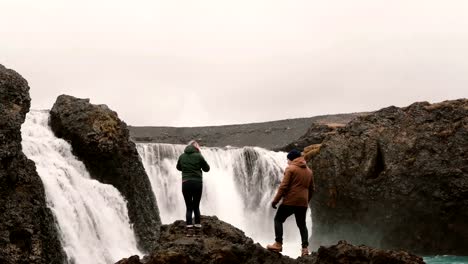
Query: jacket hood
190	149
299	162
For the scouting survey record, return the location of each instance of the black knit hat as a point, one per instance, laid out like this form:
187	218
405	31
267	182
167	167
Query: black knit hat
293	154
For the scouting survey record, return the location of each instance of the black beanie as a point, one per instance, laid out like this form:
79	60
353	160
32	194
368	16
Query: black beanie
293	154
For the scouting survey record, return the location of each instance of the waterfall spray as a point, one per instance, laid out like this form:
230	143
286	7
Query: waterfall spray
238	189
92	217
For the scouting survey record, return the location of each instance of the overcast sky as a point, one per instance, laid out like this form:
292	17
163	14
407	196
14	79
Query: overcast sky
188	63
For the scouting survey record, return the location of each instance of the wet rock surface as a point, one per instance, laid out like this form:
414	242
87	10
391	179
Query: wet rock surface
27	230
219	242
101	140
344	252
397	178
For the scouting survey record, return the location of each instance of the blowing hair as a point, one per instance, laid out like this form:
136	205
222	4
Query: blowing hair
194	143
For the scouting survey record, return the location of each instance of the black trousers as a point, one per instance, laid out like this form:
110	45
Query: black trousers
192	191
285	211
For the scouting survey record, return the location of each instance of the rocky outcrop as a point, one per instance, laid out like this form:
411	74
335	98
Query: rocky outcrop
314	135
27	229
345	253
101	140
221	243
397	178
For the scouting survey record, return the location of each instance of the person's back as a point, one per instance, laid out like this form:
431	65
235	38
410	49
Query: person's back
191	163
300	183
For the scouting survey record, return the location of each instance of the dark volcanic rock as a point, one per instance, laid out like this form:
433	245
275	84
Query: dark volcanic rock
314	135
397	178
270	135
219	242
344	253
101	140
27	229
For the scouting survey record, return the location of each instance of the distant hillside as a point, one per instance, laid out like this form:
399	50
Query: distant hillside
271	135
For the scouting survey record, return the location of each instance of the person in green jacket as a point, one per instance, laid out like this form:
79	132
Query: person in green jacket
191	163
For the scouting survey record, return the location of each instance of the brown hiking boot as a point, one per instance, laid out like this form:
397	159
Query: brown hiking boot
277	247
305	252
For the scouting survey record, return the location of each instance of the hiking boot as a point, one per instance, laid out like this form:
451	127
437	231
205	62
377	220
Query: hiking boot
304	252
277	247
189	231
197	230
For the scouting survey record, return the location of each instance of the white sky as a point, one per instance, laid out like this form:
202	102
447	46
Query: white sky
195	62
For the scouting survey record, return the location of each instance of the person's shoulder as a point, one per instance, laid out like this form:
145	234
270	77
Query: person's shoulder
289	169
197	154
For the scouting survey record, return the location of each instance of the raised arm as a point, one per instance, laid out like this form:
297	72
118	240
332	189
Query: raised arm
204	165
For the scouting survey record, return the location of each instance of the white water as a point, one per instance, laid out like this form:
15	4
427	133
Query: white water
238	189
92	217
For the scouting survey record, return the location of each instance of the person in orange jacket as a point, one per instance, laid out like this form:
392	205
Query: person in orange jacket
296	190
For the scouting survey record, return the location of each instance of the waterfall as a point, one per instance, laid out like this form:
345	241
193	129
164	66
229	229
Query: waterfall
92	217
238	189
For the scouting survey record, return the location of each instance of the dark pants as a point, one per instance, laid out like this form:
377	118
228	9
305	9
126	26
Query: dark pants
285	211
192	191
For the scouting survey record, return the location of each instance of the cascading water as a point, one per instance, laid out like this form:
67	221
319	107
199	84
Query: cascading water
238	189
92	217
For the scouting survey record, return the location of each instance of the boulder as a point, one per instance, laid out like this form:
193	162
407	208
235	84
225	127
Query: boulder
28	233
221	243
345	253
397	178
101	140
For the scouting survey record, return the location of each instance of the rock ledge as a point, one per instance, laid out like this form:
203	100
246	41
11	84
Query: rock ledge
220	242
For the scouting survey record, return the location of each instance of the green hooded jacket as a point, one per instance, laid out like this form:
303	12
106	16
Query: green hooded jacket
191	163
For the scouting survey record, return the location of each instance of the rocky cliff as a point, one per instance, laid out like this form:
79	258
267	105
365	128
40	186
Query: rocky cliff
27	229
101	140
314	135
221	243
397	178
